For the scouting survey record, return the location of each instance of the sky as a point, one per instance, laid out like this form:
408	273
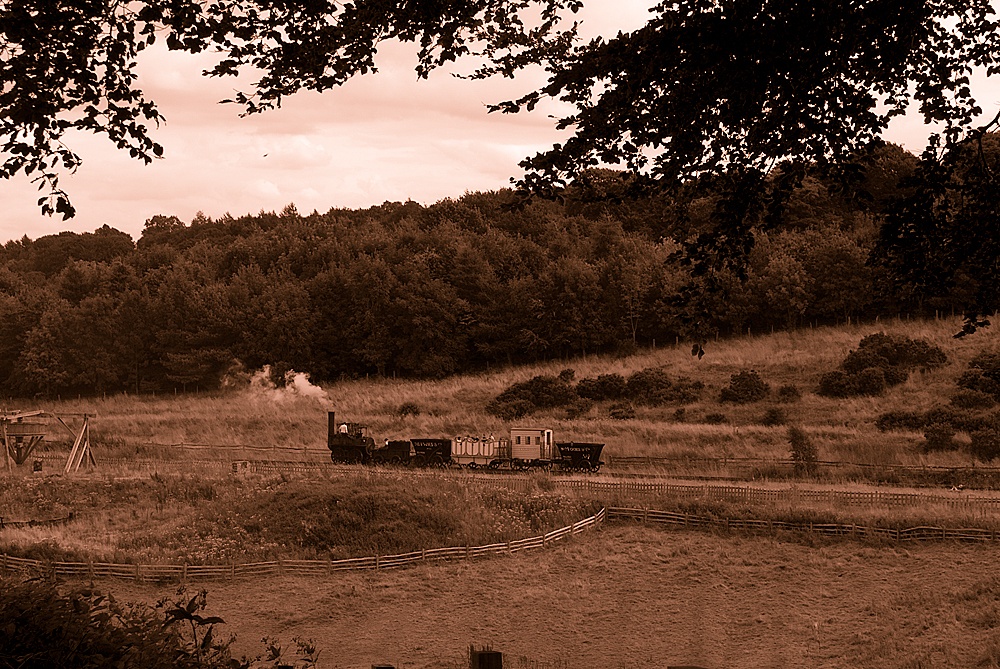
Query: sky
382	137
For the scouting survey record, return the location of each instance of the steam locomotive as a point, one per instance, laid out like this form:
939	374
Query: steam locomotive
525	448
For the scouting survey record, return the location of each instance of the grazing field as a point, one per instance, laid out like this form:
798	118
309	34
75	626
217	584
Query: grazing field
629	596
841	429
626	596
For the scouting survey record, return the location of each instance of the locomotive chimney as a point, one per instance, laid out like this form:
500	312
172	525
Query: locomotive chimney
331	427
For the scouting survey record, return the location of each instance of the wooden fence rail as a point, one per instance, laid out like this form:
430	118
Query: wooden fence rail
184	572
825	529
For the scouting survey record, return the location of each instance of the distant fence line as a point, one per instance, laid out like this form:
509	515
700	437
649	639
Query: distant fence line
47	522
612	460
825	529
184	572
628	487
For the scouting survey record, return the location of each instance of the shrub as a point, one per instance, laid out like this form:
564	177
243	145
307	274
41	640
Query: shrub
985	445
973	399
939	437
540	392
983	374
744	387
774	417
48	627
622	411
880	361
803	451
408	409
650	386
963	421
715	419
836	384
604	387
895	421
511	409
578	408
900	351
679	414
870	382
789	394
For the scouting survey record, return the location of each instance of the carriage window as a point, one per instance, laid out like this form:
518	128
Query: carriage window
518	441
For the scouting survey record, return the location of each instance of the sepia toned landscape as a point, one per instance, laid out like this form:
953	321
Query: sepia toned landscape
671	343
624	593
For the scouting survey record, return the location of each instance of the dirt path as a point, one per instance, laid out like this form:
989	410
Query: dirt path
628	596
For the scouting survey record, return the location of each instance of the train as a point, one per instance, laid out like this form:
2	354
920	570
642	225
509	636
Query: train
524	448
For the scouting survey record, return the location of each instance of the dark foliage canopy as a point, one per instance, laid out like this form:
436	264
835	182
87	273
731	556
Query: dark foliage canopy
743	100
704	86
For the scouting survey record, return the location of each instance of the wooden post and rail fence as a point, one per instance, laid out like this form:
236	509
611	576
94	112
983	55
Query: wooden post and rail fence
231	571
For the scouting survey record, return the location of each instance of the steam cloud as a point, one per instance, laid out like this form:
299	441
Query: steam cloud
297	385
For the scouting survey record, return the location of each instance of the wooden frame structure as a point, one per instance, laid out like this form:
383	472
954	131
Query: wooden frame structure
22	431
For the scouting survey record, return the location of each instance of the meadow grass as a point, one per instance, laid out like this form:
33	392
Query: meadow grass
842	429
217	519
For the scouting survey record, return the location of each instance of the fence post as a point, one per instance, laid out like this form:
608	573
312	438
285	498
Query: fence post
378	564
423	554
509	551
645	515
138	576
184	573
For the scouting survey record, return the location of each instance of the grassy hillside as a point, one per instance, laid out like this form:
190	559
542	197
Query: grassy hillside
842	429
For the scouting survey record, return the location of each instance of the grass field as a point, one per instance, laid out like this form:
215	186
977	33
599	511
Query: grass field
842	429
626	596
634	597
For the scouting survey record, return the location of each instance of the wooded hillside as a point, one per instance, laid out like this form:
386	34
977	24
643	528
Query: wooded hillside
403	289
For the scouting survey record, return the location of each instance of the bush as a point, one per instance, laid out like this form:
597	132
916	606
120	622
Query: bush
579	408
985	445
679	414
408	409
900	351
510	410
939	437
803	451
774	417
983	374
870	382
540	392
744	387
973	399
789	394
715	419
896	421
50	628
604	387
654	387
960	420
836	384
881	361
622	411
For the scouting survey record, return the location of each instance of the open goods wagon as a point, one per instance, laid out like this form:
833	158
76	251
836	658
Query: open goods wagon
525	448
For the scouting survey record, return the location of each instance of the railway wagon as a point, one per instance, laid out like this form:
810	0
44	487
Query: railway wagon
526	448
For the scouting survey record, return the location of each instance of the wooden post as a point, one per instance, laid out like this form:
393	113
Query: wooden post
184	573
377	563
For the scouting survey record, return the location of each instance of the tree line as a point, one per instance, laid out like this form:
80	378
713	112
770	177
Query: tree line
427	291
